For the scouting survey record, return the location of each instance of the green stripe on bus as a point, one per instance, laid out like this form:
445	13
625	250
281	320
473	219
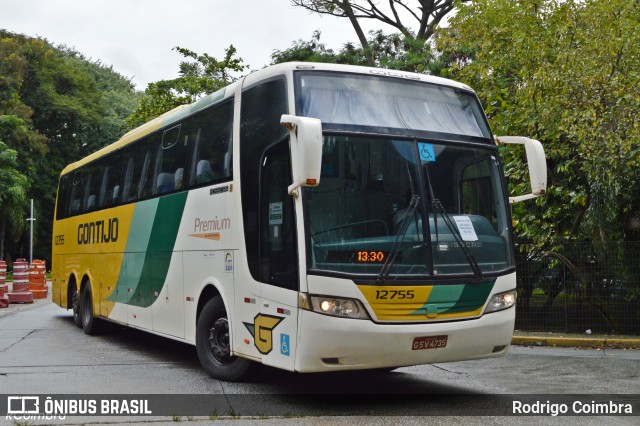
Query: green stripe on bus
153	234
456	298
473	296
135	252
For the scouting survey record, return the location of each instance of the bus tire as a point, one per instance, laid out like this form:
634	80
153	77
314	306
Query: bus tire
89	321
75	305
213	344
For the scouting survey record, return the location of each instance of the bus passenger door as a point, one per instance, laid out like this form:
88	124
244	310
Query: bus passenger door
276	325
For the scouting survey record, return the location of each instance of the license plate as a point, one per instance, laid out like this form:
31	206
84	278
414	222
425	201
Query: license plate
429	342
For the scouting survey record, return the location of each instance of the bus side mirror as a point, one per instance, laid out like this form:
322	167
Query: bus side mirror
536	162
306	150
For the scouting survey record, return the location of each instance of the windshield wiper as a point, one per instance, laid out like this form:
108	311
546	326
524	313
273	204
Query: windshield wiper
438	208
393	253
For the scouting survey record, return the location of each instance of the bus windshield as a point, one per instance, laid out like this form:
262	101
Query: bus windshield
347	100
396	208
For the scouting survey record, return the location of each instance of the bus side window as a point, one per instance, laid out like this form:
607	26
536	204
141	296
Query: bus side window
63	197
104	182
278	253
143	185
92	180
475	190
170	159
74	196
128	181
211	144
261	109
115	180
137	173
110	185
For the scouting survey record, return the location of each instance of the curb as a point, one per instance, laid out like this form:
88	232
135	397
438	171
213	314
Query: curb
576	342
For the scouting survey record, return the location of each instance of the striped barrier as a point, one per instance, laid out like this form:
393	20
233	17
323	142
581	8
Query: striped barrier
3	275
20	290
38	279
4	300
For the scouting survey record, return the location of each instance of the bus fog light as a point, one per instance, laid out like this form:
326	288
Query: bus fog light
338	307
501	301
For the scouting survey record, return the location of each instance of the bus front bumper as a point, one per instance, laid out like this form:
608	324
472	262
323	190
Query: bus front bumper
331	343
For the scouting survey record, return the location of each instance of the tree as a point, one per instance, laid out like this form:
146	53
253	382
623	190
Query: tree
55	108
393	51
566	73
425	14
13	196
201	76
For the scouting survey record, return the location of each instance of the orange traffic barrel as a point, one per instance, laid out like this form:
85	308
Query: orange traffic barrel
37	272
37	279
4	300
20	275
20	290
3	276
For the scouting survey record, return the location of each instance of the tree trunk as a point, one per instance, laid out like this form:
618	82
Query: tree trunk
3	228
360	33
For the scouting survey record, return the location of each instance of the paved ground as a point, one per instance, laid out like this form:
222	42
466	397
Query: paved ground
520	338
44	352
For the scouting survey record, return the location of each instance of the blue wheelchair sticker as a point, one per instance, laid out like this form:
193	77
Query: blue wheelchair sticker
427	153
284	344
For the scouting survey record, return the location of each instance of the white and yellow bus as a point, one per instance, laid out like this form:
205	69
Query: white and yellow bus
310	217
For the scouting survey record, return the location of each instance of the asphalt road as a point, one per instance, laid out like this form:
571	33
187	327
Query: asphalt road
43	352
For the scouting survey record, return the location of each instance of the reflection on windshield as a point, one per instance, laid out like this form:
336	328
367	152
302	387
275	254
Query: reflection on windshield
373	212
393	103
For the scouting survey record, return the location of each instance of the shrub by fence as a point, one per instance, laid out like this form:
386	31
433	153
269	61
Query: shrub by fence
576	287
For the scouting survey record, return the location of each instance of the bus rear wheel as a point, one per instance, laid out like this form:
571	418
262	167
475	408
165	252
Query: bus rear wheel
213	344
89	322
75	305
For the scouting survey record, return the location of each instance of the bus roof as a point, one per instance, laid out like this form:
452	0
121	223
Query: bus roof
183	111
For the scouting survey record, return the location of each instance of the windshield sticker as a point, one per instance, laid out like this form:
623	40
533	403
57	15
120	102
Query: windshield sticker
465	226
275	213
427	153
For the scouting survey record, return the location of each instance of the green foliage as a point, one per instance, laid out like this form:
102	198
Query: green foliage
13	195
425	16
55	108
201	76
393	51
566	73
315	51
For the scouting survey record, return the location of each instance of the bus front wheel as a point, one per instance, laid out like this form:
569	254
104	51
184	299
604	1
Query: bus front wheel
213	344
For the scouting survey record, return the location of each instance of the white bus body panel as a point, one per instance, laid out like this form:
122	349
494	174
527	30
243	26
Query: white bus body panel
360	344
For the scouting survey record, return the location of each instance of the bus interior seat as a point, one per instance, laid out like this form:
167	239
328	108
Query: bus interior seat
91	203
178	178
165	183
203	172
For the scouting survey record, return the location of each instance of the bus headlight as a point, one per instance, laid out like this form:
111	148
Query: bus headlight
338	307
501	301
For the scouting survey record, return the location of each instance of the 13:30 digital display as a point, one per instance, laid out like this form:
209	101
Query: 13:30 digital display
368	256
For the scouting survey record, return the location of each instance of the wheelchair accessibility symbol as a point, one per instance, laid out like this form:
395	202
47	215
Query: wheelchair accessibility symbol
284	344
427	153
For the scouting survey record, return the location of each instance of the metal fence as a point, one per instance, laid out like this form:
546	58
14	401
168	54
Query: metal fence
577	286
